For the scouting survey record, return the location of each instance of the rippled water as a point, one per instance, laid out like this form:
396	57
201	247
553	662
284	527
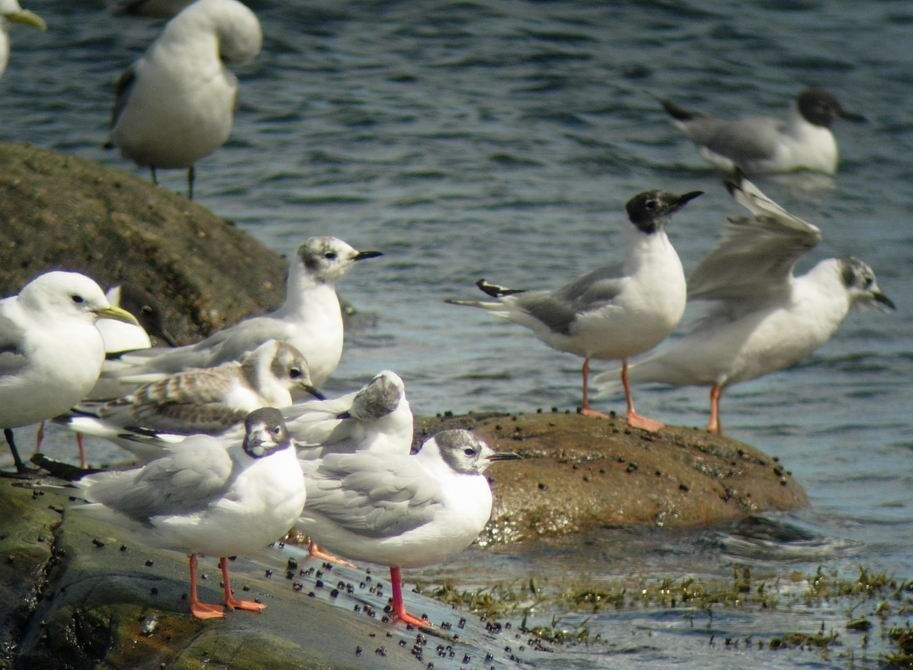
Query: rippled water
469	139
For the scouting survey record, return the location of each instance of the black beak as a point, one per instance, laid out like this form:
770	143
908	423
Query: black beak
688	197
362	255
504	456
882	299
850	116
314	391
344	415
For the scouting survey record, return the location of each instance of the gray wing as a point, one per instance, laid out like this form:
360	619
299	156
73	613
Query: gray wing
756	255
372	495
122	93
188	479
741	141
560	308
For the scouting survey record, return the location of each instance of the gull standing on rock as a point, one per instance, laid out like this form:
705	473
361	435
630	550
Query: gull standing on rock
399	510
206	400
310	320
50	350
765	318
205	497
176	104
614	312
763	145
11	12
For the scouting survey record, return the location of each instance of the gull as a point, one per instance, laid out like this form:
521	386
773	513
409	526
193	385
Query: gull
310	320
204	496
377	417
763	145
401	511
764	317
176	104
204	400
615	311
11	12
50	350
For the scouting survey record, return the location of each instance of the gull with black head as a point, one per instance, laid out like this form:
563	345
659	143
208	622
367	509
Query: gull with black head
613	312
764	318
764	145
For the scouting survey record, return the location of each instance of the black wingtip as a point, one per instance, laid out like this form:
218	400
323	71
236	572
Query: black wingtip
676	112
734	183
494	290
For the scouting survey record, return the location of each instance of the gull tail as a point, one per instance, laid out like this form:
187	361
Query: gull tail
676	112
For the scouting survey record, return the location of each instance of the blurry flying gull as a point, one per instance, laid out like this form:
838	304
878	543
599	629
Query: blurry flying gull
399	510
50	350
11	12
204	496
176	104
761	144
764	317
616	311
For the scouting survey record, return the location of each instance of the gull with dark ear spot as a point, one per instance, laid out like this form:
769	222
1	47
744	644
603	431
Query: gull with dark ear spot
50	350
206	496
176	104
12	13
210	401
613	312
764	318
762	145
399	510
310	320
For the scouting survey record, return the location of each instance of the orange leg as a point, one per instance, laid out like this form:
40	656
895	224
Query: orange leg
399	608
231	602
713	425
635	420
321	554
198	609
585	408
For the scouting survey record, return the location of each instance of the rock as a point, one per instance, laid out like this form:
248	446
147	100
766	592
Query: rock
77	594
580	473
62	212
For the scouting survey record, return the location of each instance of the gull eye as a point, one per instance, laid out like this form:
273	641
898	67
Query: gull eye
294	373
650	204
469	451
330	255
277	430
77	299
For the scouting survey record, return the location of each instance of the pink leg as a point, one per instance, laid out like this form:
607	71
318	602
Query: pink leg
713	425
321	554
230	601
399	608
82	450
198	609
635	420
585	408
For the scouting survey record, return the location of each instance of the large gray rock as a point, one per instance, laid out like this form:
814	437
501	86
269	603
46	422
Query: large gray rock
62	212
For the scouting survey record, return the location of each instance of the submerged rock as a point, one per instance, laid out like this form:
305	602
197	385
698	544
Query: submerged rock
62	212
578	473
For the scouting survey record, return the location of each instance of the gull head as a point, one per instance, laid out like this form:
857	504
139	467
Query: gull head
820	108
11	12
70	295
650	211
326	259
378	398
279	362
265	432
467	454
235	27
859	281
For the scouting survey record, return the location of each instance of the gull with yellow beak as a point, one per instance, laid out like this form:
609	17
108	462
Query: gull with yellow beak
50	350
11	12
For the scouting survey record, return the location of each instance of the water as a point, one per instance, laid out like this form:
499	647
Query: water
472	139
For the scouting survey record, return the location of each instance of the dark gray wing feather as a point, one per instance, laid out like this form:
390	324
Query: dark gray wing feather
122	93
